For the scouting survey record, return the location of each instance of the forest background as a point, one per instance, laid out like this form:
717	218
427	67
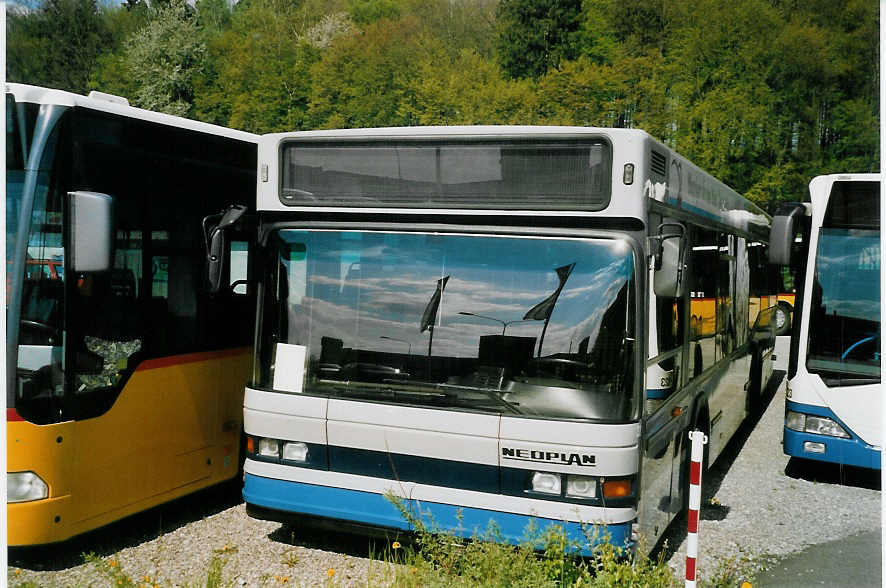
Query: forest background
764	94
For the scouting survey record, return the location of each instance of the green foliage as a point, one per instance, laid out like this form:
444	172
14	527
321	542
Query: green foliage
537	35
56	45
258	72
364	79
468	90
368	11
165	58
764	94
544	559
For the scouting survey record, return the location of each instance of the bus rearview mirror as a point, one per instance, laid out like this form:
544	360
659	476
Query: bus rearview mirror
668	278
91	225
668	260
781	234
216	242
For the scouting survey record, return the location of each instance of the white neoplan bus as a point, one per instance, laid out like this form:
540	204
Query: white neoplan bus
493	324
834	391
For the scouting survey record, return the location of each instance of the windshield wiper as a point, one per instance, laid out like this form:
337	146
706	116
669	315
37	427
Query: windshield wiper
495	397
438	394
854	381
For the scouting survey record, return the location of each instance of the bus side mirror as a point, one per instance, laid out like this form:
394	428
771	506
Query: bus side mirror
781	235
669	263
91	220
214	236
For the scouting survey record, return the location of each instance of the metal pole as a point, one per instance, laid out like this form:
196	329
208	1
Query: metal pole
698	440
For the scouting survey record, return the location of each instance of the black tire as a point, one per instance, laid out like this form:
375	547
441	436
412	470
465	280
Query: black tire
782	319
755	392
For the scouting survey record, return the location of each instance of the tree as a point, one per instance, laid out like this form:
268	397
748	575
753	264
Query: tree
165	58
469	90
536	35
364	79
259	71
57	45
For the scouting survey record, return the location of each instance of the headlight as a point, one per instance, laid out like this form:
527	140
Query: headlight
805	423
581	486
546	483
295	451
825	426
795	421
25	486
269	447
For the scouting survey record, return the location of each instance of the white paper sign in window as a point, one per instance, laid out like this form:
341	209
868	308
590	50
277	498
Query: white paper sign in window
289	368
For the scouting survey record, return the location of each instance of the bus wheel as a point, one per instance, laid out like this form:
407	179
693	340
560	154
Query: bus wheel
782	319
755	394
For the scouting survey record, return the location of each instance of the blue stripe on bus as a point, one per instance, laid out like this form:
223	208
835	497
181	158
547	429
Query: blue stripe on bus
374	509
423	470
852	451
658	393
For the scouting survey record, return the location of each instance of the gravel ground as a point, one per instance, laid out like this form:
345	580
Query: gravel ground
759	506
758	514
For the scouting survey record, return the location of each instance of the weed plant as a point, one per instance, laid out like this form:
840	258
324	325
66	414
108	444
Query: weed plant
545	558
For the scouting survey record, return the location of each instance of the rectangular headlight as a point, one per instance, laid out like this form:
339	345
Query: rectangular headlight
813	447
25	486
295	451
825	426
546	483
795	421
581	486
268	447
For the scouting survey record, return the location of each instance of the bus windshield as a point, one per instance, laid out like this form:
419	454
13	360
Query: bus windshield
844	320
517	325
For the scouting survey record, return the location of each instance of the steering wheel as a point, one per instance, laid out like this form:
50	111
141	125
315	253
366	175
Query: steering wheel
860	343
37	325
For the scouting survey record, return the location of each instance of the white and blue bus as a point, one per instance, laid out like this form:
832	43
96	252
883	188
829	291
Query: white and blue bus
497	324
834	394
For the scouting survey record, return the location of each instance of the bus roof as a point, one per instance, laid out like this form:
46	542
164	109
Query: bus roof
119	106
683	186
460	131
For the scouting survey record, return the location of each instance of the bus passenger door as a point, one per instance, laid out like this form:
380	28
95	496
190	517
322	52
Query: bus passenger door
663	418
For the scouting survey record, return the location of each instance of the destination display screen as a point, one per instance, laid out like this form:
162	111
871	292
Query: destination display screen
564	175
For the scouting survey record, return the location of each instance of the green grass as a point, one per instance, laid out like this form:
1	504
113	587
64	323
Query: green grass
545	558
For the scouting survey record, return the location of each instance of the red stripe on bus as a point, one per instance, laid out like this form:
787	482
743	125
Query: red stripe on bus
690	569
694	473
162	362
13	415
693	521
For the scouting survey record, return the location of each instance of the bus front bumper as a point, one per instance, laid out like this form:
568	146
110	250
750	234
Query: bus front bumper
38	522
852	451
296	503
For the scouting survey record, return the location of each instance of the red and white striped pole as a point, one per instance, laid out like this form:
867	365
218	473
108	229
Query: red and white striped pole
698	440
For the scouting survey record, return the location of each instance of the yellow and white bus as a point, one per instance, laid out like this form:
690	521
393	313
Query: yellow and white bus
124	379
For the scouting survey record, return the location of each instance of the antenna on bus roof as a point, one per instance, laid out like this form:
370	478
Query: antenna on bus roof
108	97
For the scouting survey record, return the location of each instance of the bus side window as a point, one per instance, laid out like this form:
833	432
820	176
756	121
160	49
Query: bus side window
726	331
666	324
703	272
239	262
